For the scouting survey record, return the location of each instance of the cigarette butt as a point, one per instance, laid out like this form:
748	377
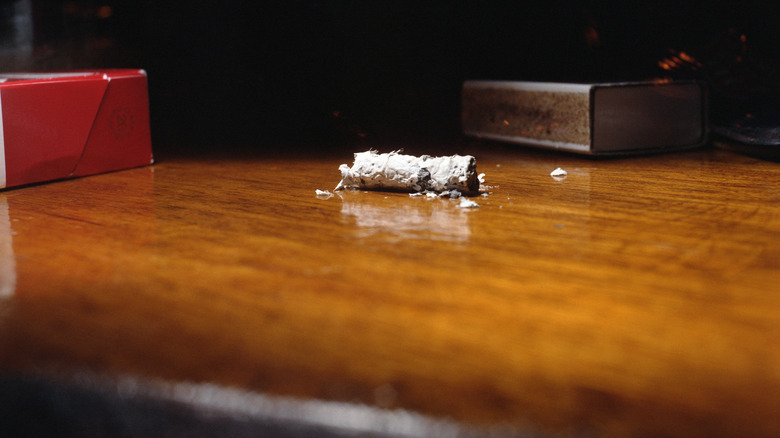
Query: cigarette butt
394	171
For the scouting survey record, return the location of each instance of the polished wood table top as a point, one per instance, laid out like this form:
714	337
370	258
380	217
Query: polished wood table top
637	296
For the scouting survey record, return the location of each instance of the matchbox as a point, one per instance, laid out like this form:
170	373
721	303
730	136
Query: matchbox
595	119
60	125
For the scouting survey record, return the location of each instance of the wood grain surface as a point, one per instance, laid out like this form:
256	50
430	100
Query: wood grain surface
636	297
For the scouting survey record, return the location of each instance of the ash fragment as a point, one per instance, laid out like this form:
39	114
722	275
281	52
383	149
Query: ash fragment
559	173
452	194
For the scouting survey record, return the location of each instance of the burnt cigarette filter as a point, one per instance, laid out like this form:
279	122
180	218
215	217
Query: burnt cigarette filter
394	171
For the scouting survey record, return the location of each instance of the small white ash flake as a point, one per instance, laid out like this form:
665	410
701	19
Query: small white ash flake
467	203
323	193
558	173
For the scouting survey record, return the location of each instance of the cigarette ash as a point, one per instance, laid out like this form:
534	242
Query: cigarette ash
394	171
558	173
452	194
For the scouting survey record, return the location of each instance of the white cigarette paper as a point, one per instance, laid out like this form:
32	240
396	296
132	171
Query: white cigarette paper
394	171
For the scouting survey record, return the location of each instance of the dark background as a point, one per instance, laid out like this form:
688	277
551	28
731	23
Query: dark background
257	75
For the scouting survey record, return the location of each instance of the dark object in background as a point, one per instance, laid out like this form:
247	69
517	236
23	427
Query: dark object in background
761	129
755	135
742	69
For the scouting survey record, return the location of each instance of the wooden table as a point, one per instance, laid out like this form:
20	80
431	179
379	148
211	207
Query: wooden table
636	297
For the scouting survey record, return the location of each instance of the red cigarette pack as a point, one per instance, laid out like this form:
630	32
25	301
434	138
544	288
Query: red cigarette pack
58	125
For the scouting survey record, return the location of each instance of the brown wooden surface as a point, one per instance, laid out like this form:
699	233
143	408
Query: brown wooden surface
637	297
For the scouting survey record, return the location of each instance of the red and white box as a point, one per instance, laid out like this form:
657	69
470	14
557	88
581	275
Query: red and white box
60	125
